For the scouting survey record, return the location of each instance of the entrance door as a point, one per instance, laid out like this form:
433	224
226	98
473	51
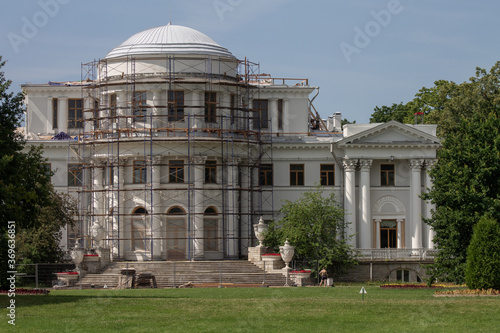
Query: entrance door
176	234
388	234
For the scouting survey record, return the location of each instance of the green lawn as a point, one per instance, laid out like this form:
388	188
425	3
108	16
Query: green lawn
308	309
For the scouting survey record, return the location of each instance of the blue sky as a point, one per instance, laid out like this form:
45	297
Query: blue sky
361	53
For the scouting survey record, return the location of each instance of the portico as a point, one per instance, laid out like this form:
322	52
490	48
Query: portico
385	173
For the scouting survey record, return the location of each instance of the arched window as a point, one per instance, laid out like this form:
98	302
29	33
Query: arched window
211	230
176	234
140	229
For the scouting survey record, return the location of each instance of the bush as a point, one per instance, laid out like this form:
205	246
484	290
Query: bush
483	256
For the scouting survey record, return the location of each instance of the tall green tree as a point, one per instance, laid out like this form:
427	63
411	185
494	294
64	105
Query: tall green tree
467	176
313	225
27	195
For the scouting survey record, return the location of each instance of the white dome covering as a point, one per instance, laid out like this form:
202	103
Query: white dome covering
169	39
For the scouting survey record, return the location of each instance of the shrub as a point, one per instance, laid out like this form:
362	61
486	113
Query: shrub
483	256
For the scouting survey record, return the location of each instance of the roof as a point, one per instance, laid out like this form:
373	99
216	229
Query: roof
169	39
410	136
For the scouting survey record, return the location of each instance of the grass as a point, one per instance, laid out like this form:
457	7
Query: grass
310	309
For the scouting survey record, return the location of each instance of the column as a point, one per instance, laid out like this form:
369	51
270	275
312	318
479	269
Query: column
155	111
98	193
416	204
273	114
121	107
365	232
232	212
199	172
62	115
429	165
197	109
246	234
114	205
377	233
50	116
286	123
122	244
156	209
400	233
350	200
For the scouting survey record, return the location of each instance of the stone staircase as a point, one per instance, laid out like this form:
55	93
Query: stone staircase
176	273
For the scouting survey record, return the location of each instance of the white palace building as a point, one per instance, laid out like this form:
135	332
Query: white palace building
176	148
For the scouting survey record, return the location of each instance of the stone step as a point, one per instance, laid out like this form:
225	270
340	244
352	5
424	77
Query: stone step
173	274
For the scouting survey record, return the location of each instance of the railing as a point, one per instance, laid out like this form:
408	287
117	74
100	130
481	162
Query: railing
396	254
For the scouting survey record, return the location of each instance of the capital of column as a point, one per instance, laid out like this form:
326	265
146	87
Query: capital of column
350	165
232	161
378	221
156	160
199	160
365	165
430	163
416	164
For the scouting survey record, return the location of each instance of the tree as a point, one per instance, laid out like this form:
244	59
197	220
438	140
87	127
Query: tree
466	179
313	225
27	195
483	256
384	114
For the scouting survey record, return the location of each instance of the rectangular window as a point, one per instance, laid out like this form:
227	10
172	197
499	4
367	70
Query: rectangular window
47	168
140	240
280	114
175	105
112	107
210	106
388	234
109	176
327	174
296	174
176	171
75	113
210	234
387	175
210	172
266	175
261	113
139	103
403	275
140	172
75	175
54	113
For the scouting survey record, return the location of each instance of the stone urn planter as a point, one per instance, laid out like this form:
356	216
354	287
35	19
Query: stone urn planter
260	230
302	277
287	253
68	278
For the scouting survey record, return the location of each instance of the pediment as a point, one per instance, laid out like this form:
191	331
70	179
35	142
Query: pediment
392	133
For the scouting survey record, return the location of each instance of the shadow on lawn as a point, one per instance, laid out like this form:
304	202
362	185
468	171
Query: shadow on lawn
36	300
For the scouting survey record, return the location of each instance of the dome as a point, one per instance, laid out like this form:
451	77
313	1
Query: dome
169	39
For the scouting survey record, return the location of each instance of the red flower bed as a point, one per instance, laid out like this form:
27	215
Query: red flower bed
22	291
271	254
91	255
302	271
69	273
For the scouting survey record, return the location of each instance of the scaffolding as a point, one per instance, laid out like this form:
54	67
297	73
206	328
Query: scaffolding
170	159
